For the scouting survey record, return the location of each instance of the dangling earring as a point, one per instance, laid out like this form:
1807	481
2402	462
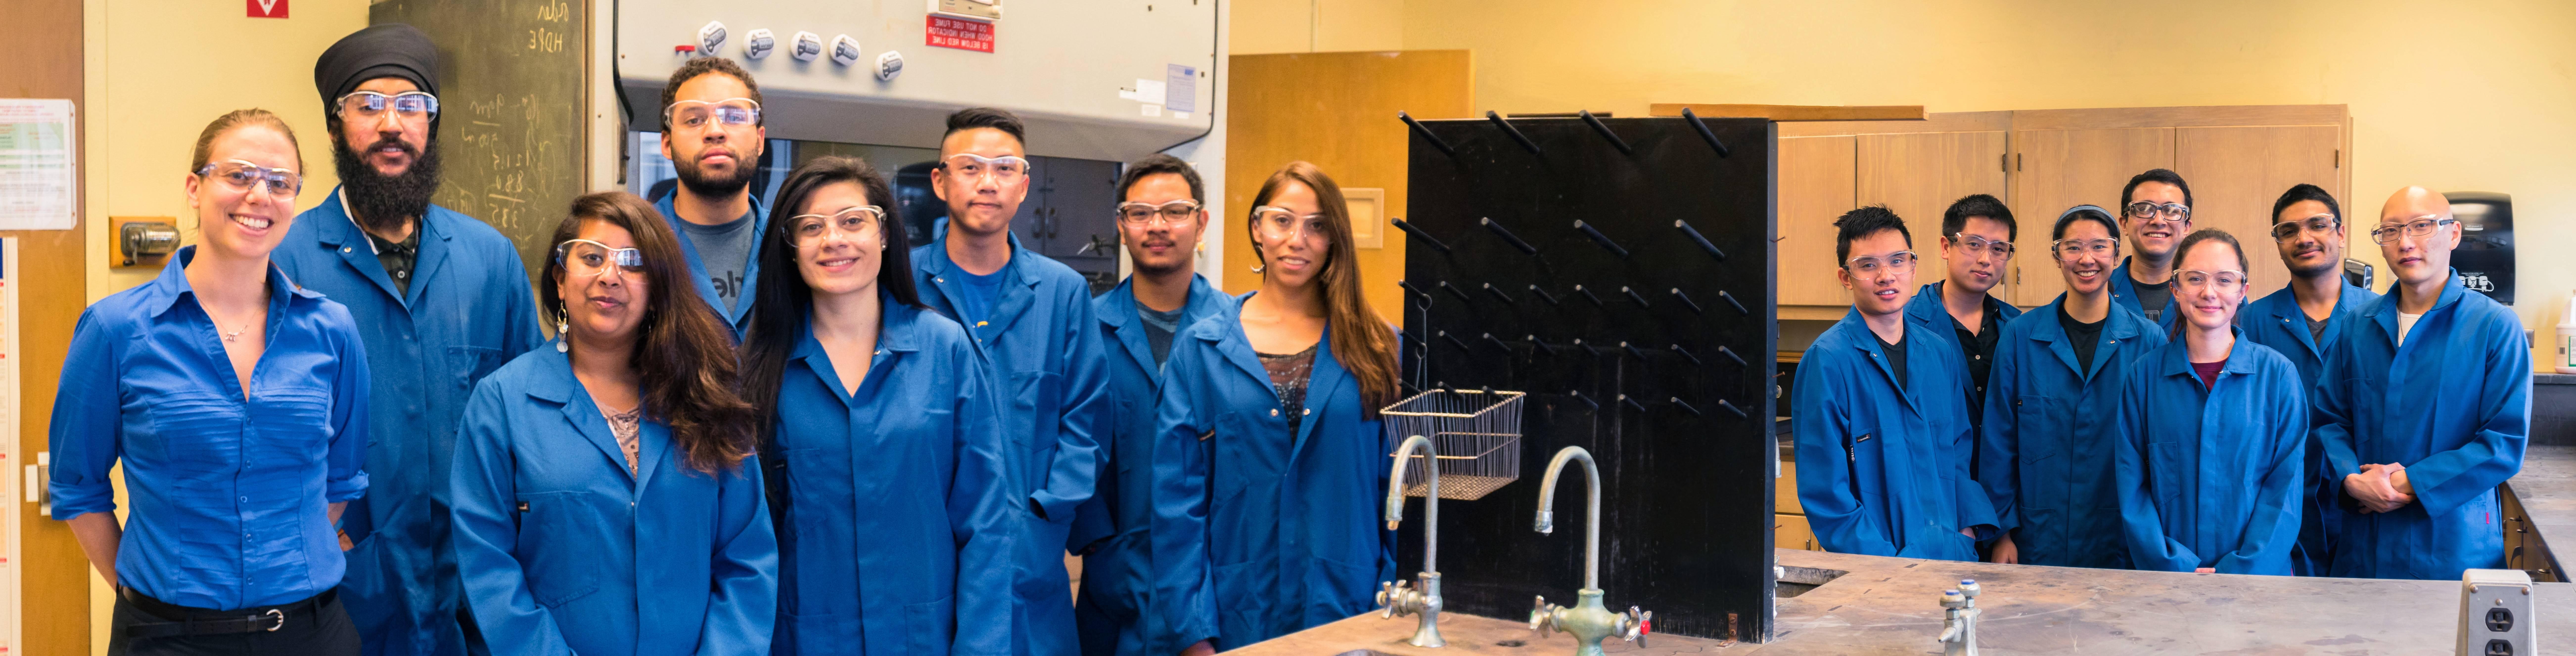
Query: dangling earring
563	342
1256	268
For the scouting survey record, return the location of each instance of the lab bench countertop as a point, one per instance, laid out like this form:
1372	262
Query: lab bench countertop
2546	486
1886	605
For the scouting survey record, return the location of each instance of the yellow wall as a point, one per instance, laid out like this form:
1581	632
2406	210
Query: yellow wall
157	72
2452	96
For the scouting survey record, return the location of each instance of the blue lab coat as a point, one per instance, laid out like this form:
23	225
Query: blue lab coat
2277	322
1046	358
2047	457
740	318
1926	307
468	311
1884	472
563	551
2211	476
1117	572
2124	292
895	515
2453	405
1259	533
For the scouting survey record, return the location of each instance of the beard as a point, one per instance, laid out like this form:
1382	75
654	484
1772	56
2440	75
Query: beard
705	186
2332	266
383	202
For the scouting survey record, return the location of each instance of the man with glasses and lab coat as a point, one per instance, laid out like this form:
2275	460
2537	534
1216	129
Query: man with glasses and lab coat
2424	408
714	134
2155	211
2303	321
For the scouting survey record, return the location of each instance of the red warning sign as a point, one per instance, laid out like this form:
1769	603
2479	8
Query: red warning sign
265	8
959	33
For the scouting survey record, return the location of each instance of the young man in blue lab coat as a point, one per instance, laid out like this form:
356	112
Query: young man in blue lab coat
714	133
440	300
1160	219
1977	234
1883	435
2047	458
2424	408
2302	322
2155	211
1032	318
2211	430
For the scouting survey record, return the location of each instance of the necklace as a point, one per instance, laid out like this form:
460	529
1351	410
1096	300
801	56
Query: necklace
235	336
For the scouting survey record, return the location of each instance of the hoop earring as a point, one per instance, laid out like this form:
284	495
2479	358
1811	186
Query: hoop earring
1256	268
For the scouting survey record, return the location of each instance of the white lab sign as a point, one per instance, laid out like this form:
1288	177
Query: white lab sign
39	176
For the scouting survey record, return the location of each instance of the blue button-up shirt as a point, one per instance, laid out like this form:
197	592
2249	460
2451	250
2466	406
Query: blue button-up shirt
231	493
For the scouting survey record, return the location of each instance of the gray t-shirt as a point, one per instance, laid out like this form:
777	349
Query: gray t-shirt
724	249
2152	298
1159	326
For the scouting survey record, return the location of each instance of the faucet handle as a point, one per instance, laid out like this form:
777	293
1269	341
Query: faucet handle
1390	598
1543	617
1635	624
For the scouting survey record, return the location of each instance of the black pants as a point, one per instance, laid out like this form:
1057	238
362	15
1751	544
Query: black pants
321	628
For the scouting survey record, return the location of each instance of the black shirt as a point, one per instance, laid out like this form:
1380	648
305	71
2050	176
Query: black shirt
2082	336
1895	357
2152	298
1978	349
397	257
2317	329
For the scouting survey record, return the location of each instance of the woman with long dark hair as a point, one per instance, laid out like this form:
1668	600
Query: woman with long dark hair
237	402
1268	463
605	495
2212	432
885	454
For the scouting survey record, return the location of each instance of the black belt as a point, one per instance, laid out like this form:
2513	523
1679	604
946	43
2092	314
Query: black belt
200	621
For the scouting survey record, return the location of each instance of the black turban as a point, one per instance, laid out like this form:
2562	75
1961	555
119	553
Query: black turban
388	50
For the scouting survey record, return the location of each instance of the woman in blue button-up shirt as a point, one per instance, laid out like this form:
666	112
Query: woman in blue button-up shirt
2212	429
238	403
605	497
886	462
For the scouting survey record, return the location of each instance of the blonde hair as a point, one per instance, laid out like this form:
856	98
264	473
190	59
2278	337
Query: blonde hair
241	118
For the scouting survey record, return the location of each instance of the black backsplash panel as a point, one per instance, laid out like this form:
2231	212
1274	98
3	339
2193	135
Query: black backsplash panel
1687	460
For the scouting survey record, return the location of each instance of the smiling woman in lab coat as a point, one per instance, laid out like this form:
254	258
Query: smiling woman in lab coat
1269	462
606	498
886	465
2212	432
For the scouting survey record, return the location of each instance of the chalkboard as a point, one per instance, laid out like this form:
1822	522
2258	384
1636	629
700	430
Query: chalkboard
510	109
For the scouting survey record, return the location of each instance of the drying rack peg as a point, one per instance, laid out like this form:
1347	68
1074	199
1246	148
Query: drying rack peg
1497	342
1730	300
1696	238
1730	355
1453	341
1513	131
1686	300
1633	296
1604	129
1677	402
1598	238
1416	231
1542	295
1587	295
1704	133
1498	293
1426	135
1542	346
1587	348
1640	355
1454	291
1578	396
1677	349
1731	409
1507	235
1630	402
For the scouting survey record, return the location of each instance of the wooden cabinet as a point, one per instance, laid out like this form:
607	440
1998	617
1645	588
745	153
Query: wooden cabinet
2237	160
2059	169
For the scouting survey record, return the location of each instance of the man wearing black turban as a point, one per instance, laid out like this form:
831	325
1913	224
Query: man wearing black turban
441	299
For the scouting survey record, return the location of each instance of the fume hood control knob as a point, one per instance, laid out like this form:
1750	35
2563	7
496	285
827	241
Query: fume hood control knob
889	64
758	43
711	38
807	46
845	50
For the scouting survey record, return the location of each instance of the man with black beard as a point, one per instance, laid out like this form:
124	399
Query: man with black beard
440	299
714	136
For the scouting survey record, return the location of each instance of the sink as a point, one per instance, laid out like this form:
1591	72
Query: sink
1795	580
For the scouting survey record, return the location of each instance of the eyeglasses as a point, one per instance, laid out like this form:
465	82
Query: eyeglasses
2226	281
1897	262
861	222
2002	250
2320	224
1173	213
245	176
2421	226
2169	211
2074	249
1278	223
411	106
583	258
732	113
1007	169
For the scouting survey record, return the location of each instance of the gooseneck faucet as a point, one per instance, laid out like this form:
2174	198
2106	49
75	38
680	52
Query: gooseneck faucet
1425	599
1588	621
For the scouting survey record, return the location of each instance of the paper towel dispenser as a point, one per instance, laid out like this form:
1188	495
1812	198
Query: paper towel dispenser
2484	257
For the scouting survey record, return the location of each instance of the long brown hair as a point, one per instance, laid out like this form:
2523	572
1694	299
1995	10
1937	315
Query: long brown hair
1362	342
683	352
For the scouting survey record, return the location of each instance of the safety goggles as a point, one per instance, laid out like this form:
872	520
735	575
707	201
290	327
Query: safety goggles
2322	224
860	222
1006	169
2073	249
411	106
731	113
1141	214
1897	262
2421	226
1277	223
245	176
583	258
2226	281
2002	250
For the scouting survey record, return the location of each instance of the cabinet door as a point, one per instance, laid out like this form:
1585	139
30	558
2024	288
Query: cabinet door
1919	174
2058	169
1816	186
2236	173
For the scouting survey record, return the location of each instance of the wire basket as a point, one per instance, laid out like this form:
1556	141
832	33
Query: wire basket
1477	434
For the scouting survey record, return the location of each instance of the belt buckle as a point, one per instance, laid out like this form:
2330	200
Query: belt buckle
278	615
